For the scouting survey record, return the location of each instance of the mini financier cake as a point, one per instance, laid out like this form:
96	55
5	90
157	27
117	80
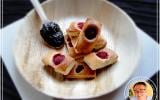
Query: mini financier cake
100	59
101	43
81	70
88	36
61	63
71	49
75	29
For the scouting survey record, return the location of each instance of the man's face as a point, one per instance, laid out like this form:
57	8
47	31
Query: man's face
140	90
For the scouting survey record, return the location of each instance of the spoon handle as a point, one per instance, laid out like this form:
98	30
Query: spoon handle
39	10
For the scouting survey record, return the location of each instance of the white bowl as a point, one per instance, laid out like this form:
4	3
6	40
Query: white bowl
118	29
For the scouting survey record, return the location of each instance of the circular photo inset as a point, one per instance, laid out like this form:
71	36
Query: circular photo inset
140	89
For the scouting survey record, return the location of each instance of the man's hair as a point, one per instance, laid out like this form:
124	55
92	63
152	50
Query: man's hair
140	83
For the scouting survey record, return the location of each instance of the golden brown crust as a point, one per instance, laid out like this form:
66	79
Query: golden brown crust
69	45
73	40
83	44
64	67
73	30
81	73
71	49
47	60
100	43
98	62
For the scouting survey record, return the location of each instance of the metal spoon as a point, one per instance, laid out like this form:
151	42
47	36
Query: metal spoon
50	31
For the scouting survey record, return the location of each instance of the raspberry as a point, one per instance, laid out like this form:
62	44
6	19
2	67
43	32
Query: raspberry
80	25
58	58
102	55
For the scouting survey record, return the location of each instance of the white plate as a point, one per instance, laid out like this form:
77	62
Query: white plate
118	29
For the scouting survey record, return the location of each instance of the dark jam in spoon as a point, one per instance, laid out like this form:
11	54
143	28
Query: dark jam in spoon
52	34
91	32
58	58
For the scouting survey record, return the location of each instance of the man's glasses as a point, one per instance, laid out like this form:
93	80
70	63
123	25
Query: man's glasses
140	90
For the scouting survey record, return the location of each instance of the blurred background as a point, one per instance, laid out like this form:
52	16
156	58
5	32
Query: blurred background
143	12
